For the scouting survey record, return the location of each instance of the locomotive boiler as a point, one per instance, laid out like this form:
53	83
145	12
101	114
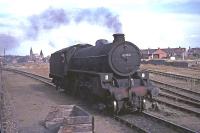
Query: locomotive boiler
106	72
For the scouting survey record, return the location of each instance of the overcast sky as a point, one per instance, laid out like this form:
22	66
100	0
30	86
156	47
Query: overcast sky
54	24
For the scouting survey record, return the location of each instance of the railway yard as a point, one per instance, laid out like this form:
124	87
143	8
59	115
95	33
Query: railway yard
29	101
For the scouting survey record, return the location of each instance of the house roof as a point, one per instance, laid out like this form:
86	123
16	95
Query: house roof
194	50
167	50
159	51
174	50
148	51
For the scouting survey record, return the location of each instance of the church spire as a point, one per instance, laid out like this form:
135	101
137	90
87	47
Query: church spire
41	54
31	52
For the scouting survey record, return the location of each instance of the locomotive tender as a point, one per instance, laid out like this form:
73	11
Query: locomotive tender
108	72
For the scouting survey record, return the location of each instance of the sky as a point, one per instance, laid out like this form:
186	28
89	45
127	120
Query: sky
50	25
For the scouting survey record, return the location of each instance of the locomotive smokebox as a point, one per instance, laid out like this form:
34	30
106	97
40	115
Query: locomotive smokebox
118	38
120	57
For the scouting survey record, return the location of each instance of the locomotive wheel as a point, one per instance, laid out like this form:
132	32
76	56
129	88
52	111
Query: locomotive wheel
155	106
53	80
115	107
81	92
141	104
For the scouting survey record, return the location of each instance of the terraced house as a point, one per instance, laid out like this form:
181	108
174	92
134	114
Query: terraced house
164	53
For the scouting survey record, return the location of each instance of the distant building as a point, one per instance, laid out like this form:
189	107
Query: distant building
147	53
154	54
178	53
193	52
159	54
36	57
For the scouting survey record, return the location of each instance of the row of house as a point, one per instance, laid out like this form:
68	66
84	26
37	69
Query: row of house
175	53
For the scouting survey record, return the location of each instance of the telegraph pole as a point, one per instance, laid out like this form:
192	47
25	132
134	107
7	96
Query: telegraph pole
4	56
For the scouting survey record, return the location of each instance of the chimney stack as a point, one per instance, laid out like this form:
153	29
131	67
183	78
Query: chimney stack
118	38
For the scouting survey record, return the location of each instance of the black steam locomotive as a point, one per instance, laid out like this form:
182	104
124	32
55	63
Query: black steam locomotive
107	72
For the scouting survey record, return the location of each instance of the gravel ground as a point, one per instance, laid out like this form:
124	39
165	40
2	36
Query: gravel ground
33	99
37	68
8	123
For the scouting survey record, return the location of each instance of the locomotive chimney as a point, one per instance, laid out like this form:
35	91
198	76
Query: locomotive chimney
118	38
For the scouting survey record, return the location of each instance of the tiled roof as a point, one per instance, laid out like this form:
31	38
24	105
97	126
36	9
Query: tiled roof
167	50
194	50
148	51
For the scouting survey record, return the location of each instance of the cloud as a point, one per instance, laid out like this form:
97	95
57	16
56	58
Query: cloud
184	7
49	19
52	25
8	42
101	16
5	25
53	18
51	44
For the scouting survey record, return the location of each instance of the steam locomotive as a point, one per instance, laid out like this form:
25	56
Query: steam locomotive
108	72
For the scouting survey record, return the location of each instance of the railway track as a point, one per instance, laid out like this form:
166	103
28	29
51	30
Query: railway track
133	121
146	123
180	99
182	92
195	68
195	80
180	106
31	75
176	97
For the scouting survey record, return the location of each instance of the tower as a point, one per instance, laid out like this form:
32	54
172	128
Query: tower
31	52
41	54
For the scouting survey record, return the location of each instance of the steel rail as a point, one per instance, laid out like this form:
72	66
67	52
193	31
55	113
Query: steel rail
176	87
31	75
178	94
154	122
129	124
177	76
190	102
196	68
174	105
170	124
